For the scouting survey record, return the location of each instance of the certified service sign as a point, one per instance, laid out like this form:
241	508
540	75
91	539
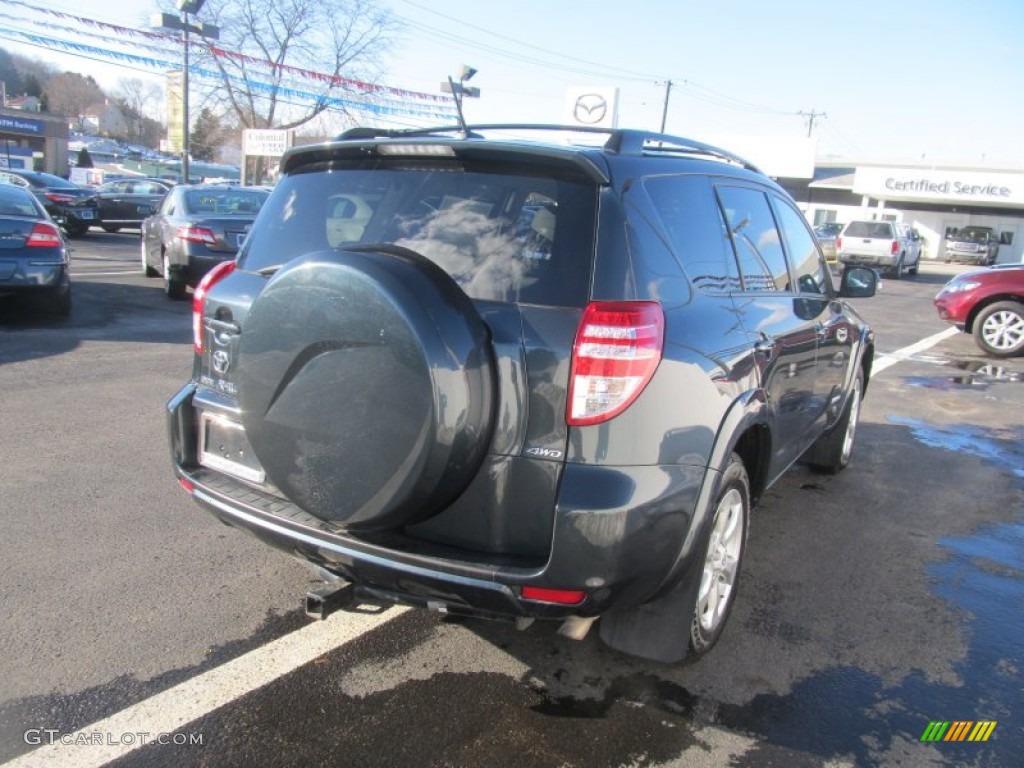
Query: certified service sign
593	107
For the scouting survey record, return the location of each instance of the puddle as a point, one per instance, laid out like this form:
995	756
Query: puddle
975	441
973	374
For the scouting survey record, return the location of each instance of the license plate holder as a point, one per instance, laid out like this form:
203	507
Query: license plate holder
224	446
85	214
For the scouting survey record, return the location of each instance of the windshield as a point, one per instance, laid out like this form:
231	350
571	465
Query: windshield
499	235
828	230
869	229
228	201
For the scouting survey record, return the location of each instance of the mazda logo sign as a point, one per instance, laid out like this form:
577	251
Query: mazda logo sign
590	109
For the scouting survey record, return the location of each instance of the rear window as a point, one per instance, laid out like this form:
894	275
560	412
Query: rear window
871	229
500	235
15	201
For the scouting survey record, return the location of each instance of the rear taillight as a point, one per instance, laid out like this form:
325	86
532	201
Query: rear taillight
57	197
894	249
618	348
196	235
211	278
839	243
44	236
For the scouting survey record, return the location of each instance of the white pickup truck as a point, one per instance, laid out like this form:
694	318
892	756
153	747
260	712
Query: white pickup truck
886	245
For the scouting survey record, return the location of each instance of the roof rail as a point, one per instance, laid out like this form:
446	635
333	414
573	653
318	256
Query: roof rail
621	141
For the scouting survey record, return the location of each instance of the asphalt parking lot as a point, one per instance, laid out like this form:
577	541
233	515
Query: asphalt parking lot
872	603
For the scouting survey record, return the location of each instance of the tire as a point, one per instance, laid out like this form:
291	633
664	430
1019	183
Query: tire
76	229
111	228
897	271
917	265
147	270
723	558
999	329
59	304
831	452
175	289
346	386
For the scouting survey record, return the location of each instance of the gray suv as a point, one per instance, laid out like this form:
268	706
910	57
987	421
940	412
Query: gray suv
520	379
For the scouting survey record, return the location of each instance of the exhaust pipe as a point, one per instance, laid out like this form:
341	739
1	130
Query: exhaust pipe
328	598
576	627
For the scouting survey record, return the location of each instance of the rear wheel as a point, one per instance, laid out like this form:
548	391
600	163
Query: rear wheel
897	271
999	329
111	228
174	288
76	229
722	559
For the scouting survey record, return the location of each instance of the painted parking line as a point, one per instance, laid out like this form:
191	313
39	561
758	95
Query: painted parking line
890	359
170	711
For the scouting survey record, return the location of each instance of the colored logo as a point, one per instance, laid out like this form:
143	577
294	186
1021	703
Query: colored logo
958	730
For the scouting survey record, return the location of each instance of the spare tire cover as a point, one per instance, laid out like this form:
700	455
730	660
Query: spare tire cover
367	386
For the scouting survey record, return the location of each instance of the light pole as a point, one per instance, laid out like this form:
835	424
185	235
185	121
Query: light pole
208	31
459	90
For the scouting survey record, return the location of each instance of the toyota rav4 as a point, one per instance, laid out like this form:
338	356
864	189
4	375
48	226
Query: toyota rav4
521	379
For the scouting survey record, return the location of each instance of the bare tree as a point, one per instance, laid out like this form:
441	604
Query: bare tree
137	98
270	49
70	94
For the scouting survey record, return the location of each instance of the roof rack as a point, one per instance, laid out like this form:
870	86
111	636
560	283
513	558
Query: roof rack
621	141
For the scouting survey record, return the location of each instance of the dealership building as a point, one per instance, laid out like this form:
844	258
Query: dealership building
28	136
931	199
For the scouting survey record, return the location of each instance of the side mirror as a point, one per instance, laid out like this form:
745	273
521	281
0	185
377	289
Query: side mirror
858	283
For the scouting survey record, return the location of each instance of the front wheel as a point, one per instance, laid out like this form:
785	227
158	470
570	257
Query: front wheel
723	558
831	452
999	329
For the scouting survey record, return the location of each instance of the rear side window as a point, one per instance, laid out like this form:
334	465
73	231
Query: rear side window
869	229
688	211
501	236
755	239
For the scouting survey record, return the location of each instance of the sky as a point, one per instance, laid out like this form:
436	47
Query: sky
922	81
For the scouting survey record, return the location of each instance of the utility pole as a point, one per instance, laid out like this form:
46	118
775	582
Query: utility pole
810	119
664	110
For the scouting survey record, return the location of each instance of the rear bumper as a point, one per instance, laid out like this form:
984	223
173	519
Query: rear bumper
29	277
618	534
867	260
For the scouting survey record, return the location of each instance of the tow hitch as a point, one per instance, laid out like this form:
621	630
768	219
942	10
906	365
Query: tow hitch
328	598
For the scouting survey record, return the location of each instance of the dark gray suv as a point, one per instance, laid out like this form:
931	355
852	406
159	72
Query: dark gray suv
521	379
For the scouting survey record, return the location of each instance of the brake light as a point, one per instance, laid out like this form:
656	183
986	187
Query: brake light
839	243
895	248
44	236
546	595
57	197
209	280
196	235
618	348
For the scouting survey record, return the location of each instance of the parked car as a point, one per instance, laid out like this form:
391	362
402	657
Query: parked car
973	245
33	254
518	379
196	228
886	245
126	202
989	304
827	234
73	207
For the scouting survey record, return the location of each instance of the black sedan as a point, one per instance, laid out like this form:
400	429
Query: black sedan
33	254
126	202
71	206
196	228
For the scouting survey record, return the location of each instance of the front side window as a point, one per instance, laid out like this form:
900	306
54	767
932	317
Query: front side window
755	239
808	265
